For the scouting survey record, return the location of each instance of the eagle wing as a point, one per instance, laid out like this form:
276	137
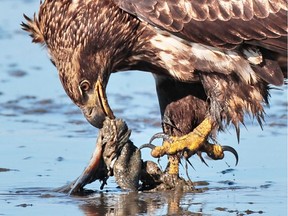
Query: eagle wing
219	23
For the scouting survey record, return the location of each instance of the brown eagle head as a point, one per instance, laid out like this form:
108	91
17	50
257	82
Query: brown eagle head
67	29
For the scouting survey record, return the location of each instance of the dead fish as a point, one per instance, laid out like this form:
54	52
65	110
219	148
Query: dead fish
114	155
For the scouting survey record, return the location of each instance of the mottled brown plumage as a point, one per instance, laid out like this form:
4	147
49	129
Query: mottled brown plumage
209	57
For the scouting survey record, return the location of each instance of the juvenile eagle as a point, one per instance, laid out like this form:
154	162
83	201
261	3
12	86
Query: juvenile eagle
212	60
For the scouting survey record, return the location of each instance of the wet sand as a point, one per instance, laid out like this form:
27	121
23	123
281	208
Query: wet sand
46	142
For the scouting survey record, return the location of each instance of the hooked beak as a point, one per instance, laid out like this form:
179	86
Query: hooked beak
97	108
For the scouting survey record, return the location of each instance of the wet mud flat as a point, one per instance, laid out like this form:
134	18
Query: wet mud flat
46	143
218	199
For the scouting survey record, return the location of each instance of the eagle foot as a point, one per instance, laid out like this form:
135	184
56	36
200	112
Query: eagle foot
188	145
191	142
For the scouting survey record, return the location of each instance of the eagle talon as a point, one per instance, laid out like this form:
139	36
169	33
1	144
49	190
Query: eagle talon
201	158
162	135
216	151
147	145
233	151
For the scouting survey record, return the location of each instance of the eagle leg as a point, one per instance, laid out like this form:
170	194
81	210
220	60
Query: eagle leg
173	167
191	142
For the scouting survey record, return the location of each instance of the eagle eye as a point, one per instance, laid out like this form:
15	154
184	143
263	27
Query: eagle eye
85	86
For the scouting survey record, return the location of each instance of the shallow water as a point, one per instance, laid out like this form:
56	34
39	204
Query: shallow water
46	142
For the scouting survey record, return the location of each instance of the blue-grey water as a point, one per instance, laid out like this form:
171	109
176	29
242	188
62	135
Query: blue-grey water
45	142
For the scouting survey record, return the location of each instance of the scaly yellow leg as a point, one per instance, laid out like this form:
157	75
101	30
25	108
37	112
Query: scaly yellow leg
174	161
192	141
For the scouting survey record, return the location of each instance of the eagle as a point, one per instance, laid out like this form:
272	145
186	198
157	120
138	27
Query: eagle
214	61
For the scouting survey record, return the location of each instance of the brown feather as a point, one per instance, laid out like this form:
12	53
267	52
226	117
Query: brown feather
271	72
34	28
215	16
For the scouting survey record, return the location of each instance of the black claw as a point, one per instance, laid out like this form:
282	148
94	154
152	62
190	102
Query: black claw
158	161
186	168
233	151
165	137
187	161
202	159
148	145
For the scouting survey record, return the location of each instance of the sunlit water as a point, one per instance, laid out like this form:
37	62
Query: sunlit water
46	142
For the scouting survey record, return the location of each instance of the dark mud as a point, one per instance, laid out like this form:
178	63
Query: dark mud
46	143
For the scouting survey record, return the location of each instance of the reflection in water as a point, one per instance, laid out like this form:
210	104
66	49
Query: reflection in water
217	200
133	203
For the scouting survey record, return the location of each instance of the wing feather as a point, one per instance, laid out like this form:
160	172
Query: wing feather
220	23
